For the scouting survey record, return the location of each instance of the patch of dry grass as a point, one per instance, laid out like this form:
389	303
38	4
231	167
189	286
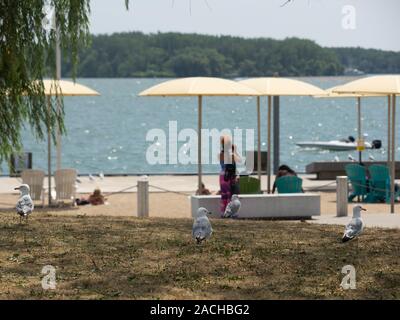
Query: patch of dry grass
130	258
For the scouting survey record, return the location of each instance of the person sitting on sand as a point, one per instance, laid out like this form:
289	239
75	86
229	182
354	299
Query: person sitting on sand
96	198
204	191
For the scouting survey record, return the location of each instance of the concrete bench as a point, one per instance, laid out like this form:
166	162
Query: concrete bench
330	170
290	205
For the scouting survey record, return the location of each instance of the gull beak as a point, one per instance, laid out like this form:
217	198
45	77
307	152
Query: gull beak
17	188
209	212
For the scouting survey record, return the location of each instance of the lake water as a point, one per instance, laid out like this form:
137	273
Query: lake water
108	133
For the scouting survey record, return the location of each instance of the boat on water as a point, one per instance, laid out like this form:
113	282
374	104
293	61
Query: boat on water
339	145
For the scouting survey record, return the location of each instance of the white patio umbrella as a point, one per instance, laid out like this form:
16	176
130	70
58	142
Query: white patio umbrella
388	85
199	87
61	88
275	86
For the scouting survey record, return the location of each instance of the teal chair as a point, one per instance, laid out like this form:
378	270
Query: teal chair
249	185
357	175
380	184
289	184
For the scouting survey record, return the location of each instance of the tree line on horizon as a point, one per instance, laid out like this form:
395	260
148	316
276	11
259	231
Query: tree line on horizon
136	54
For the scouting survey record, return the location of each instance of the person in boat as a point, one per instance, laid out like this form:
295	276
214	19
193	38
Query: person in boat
228	179
283	170
350	139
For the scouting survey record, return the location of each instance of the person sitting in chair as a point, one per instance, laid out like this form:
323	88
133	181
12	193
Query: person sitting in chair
283	170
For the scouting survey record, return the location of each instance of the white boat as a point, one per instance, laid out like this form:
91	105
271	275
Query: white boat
338	145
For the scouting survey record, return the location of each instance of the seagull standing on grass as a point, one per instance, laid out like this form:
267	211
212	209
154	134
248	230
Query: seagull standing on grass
355	226
233	207
202	229
25	204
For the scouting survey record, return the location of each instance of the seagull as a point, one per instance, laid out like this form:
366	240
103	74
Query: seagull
78	180
371	157
233	207
101	175
25	204
91	178
351	158
355	226
336	159
202	229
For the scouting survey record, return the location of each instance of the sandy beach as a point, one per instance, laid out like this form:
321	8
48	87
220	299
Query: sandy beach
162	204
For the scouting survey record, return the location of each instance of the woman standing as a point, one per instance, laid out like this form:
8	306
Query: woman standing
228	180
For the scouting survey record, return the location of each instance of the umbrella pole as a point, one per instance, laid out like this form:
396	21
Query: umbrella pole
58	76
389	144
393	155
359	127
49	152
200	107
269	145
259	140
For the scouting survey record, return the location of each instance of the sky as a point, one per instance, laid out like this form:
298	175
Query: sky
331	23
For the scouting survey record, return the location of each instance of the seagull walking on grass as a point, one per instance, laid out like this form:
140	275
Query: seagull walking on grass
355	226
202	229
233	207
25	204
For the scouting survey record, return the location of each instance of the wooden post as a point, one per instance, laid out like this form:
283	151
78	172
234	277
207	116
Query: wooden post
143	198
341	196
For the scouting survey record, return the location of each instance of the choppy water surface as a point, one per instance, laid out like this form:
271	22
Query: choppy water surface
108	133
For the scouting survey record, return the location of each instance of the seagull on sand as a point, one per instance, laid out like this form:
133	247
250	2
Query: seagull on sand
355	226
202	229
25	204
233	207
351	158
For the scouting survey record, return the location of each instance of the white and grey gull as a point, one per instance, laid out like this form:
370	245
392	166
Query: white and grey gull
233	207
202	229
355	226
25	204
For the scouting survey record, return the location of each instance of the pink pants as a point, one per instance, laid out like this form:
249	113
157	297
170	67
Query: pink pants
226	191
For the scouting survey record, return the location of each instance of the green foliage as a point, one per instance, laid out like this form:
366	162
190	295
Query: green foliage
27	55
369	60
179	55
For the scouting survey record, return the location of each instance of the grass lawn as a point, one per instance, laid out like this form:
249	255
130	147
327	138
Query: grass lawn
129	258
